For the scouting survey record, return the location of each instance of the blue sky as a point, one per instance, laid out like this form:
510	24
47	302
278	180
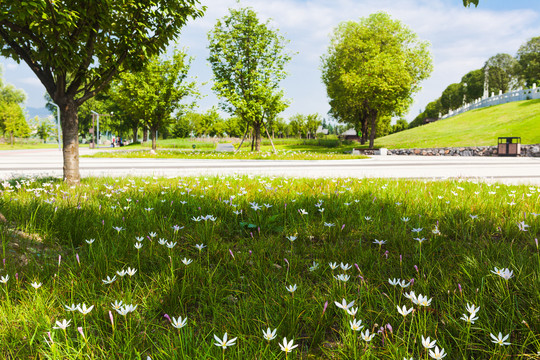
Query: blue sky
462	39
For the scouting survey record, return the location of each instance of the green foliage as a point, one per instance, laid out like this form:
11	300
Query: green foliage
528	57
452	98
503	73
371	70
248	60
479	127
76	48
400	125
468	3
152	94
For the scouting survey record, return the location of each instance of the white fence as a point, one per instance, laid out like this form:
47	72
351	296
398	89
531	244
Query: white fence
514	95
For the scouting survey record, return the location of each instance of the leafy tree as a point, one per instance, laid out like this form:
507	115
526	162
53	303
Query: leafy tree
528	57
452	97
473	85
297	123
181	127
14	123
75	48
468	3
400	125
372	69
155	92
234	126
248	60
502	73
312	123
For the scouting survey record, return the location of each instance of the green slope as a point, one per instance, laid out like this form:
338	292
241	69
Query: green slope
478	127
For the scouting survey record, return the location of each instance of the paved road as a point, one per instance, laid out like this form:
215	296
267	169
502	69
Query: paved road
509	170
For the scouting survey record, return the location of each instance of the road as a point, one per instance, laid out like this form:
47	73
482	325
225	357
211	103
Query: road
507	170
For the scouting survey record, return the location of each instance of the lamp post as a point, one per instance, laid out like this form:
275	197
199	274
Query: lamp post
97	134
58	124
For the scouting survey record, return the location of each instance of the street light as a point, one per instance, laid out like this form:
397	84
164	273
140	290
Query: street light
58	124
97	115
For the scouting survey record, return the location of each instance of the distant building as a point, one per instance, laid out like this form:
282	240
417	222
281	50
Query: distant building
350	134
320	130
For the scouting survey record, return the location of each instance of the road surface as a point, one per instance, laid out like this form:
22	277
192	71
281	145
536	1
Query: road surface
48	162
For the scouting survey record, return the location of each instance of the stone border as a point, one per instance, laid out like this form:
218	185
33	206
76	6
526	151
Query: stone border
532	150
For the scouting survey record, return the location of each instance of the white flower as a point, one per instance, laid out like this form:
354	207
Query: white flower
422	300
126	309
343	305
162	241
291	238
35	285
291	288
333	265
171	244
342	277
329	224
224	343
427	343
366	336
269	334
138	245
200	246
314	267
255	206
117	304
131	271
368	218
472	309
417	230
504	273
118	228
62	325
411	296
187	261
303	212
121	273
176	228
393	281
356	325
83	309
469	318
352	311
345	267
287	346
500	339
71	307
179	323
379	242
420	240
152	234
437	354
522	226
405	219
89	242
404	311
139	238
4	279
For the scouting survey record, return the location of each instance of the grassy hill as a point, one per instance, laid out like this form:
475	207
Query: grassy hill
478	127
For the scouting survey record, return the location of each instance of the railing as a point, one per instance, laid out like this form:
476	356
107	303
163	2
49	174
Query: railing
514	95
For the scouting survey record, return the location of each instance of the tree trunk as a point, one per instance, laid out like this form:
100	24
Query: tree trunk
153	133
364	128
11	137
145	134
257	136
135	131
70	131
373	132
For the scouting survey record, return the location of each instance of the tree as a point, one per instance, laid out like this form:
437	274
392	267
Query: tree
44	130
75	48
14	123
372	69
473	85
248	60
452	97
400	125
528	57
468	3
312	123
502	73
297	123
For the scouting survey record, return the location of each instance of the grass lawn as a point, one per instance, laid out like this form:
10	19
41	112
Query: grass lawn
478	127
163	268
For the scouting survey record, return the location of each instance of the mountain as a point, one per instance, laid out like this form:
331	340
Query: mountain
41	112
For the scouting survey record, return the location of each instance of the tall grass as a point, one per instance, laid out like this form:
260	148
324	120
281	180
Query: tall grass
257	237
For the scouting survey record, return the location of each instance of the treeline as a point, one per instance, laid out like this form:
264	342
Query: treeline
505	73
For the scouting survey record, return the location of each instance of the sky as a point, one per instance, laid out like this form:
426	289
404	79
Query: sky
461	39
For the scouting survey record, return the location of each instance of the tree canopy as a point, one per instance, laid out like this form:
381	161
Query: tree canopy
75	48
528	57
371	70
248	60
